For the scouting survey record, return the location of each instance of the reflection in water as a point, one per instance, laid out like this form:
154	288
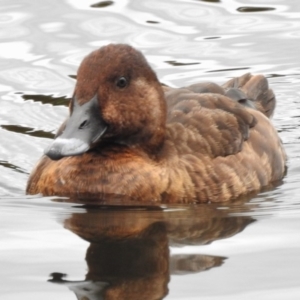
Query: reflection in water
33	78
102	4
254	9
6	164
28	130
47	99
152	22
212	38
226	70
129	252
43	42
176	63
213	1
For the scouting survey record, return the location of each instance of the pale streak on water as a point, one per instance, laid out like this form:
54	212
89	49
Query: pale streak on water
41	45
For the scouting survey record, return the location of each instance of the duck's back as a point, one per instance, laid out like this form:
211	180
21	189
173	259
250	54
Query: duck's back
224	137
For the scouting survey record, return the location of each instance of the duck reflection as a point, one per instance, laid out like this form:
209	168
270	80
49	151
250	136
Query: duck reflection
129	256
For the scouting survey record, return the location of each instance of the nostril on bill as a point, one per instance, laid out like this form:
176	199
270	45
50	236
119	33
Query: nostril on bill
83	124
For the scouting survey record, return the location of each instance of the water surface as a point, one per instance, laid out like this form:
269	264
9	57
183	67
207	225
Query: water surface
50	249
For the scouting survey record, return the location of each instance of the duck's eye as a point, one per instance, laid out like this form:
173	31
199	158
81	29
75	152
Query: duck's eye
122	82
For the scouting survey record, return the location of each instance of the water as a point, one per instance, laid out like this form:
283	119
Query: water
232	251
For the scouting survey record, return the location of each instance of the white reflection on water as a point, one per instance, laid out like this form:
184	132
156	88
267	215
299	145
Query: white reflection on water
41	45
35	78
17	50
52	27
11	23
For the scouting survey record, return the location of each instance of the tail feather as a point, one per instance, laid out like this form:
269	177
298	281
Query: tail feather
253	88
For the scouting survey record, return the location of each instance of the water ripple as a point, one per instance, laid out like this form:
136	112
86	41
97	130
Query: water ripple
35	78
251	9
28	130
102	4
23	52
11	25
31	114
186	41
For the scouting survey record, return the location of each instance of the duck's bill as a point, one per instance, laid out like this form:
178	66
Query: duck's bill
84	128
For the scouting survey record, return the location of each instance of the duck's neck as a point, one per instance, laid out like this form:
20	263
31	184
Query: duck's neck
151	136
147	142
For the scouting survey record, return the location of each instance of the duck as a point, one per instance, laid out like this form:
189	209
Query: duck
128	135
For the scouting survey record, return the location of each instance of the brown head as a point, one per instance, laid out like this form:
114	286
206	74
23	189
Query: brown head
117	99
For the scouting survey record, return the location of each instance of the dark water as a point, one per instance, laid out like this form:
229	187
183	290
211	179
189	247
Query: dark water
54	250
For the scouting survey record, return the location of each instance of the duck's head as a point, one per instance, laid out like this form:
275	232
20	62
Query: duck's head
117	98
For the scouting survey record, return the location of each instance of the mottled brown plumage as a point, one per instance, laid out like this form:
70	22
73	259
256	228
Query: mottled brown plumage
196	144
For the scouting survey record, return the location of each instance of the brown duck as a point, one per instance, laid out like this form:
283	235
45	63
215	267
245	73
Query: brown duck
129	136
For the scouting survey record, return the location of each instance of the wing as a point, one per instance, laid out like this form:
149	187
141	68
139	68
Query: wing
208	123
